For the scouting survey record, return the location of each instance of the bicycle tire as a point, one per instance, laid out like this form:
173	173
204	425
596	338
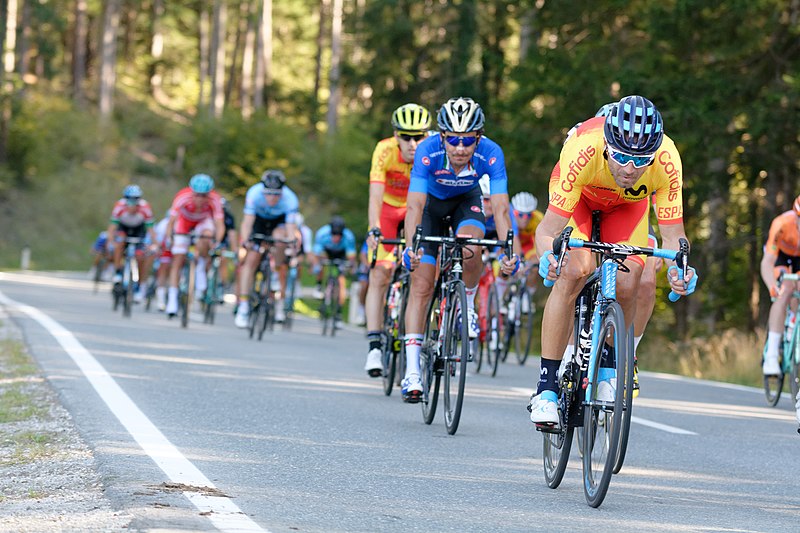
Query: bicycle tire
524	325
625	369
210	297
794	364
773	385
555	454
186	297
325	308
596	417
289	301
98	273
430	373
336	308
456	351
401	333
508	323
493	320
388	339
264	298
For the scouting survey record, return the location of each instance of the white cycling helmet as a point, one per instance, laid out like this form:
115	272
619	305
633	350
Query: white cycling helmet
484	183
524	202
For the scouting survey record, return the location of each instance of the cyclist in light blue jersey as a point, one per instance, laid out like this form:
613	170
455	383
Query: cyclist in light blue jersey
270	208
444	183
334	241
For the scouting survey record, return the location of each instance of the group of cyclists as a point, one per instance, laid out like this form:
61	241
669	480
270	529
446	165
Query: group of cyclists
614	168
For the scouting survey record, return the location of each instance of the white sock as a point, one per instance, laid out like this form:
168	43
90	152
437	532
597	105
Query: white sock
569	352
471	297
636	341
413	348
161	293
773	344
201	281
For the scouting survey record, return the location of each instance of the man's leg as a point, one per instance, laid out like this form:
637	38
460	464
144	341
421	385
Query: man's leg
418	300
379	278
247	269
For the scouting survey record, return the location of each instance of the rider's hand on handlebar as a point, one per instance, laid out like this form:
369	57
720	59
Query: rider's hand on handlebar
548	265
509	265
682	287
373	238
411	261
774	291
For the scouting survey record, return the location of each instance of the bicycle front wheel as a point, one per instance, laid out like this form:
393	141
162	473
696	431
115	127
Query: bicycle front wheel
524	327
625	388
602	422
210	298
389	343
456	355
493	322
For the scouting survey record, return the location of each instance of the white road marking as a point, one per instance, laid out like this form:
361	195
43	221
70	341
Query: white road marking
662	427
223	513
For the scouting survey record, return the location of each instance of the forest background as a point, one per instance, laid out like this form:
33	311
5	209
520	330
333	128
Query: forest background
97	94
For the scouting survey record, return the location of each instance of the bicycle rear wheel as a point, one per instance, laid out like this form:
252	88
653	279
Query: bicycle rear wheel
555	454
493	322
794	364
210	298
456	356
602	423
389	341
326	309
524	325
625	370
773	385
429	362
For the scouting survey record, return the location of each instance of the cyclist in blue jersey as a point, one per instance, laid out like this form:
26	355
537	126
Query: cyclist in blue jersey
334	241
444	183
270	208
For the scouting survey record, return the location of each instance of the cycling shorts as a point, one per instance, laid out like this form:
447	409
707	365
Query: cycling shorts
124	231
183	230
266	226
626	223
392	219
786	263
463	210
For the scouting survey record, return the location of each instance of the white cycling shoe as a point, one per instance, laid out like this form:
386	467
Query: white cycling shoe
771	366
411	388
544	408
374	366
242	319
607	390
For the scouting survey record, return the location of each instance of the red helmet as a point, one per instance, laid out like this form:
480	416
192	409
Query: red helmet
796	206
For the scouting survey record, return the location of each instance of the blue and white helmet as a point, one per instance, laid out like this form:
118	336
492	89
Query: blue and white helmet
634	126
201	183
132	192
461	115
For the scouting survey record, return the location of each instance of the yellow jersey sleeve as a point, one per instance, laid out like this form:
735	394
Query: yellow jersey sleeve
389	169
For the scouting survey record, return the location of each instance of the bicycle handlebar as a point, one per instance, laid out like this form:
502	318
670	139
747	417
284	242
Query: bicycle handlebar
400	242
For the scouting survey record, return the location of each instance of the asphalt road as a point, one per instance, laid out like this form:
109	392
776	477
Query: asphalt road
205	429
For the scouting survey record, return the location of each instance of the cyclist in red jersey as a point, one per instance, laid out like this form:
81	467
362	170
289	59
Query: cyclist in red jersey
132	216
196	208
781	254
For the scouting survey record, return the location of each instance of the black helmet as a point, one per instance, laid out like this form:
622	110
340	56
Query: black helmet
273	180
337	225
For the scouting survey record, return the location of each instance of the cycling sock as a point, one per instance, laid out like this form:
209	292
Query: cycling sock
773	344
636	341
471	291
413	348
569	352
374	338
548	379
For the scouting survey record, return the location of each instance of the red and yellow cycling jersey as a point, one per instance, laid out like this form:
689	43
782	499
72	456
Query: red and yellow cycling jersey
527	234
582	174
389	168
784	235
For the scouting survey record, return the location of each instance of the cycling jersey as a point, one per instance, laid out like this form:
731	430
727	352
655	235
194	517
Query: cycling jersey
432	173
184	207
132	222
255	203
491	227
527	234
784	235
585	173
101	243
323	242
389	168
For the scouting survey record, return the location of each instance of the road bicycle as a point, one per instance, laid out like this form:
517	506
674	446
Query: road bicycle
215	291
789	350
446	343
518	324
600	335
490	320
186	283
394	317
330	309
291	288
262	294
122	291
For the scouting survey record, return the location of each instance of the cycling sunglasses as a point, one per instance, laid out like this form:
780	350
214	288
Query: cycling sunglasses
455	140
412	136
639	161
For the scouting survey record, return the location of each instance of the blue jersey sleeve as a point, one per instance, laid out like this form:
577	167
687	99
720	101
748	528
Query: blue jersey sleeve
349	242
321	239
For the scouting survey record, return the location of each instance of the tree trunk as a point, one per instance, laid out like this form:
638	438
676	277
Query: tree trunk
108	59
336	53
79	51
314	111
23	45
157	52
6	83
264	57
248	54
204	53
238	43
218	58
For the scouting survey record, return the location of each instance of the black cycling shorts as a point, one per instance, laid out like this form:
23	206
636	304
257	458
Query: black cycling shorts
465	209
791	262
266	226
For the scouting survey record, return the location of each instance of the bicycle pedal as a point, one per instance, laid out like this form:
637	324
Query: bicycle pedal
413	397
548	427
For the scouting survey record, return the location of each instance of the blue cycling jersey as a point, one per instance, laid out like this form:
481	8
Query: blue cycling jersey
255	203
491	226
432	173
323	241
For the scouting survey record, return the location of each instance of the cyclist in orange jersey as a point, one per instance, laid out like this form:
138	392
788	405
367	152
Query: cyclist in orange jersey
389	178
611	165
781	254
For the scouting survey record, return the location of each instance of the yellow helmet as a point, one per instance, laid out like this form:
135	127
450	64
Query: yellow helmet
411	118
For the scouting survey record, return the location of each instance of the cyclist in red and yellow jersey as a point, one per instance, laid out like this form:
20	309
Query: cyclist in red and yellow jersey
611	165
389	179
781	254
528	218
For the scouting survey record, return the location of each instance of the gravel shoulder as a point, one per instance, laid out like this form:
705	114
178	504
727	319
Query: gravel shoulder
48	476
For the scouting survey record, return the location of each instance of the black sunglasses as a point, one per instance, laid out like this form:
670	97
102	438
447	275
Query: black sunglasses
411	137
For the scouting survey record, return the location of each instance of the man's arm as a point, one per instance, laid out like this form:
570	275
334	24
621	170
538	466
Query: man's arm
415	206
670	234
768	270
375	204
246	229
501	214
